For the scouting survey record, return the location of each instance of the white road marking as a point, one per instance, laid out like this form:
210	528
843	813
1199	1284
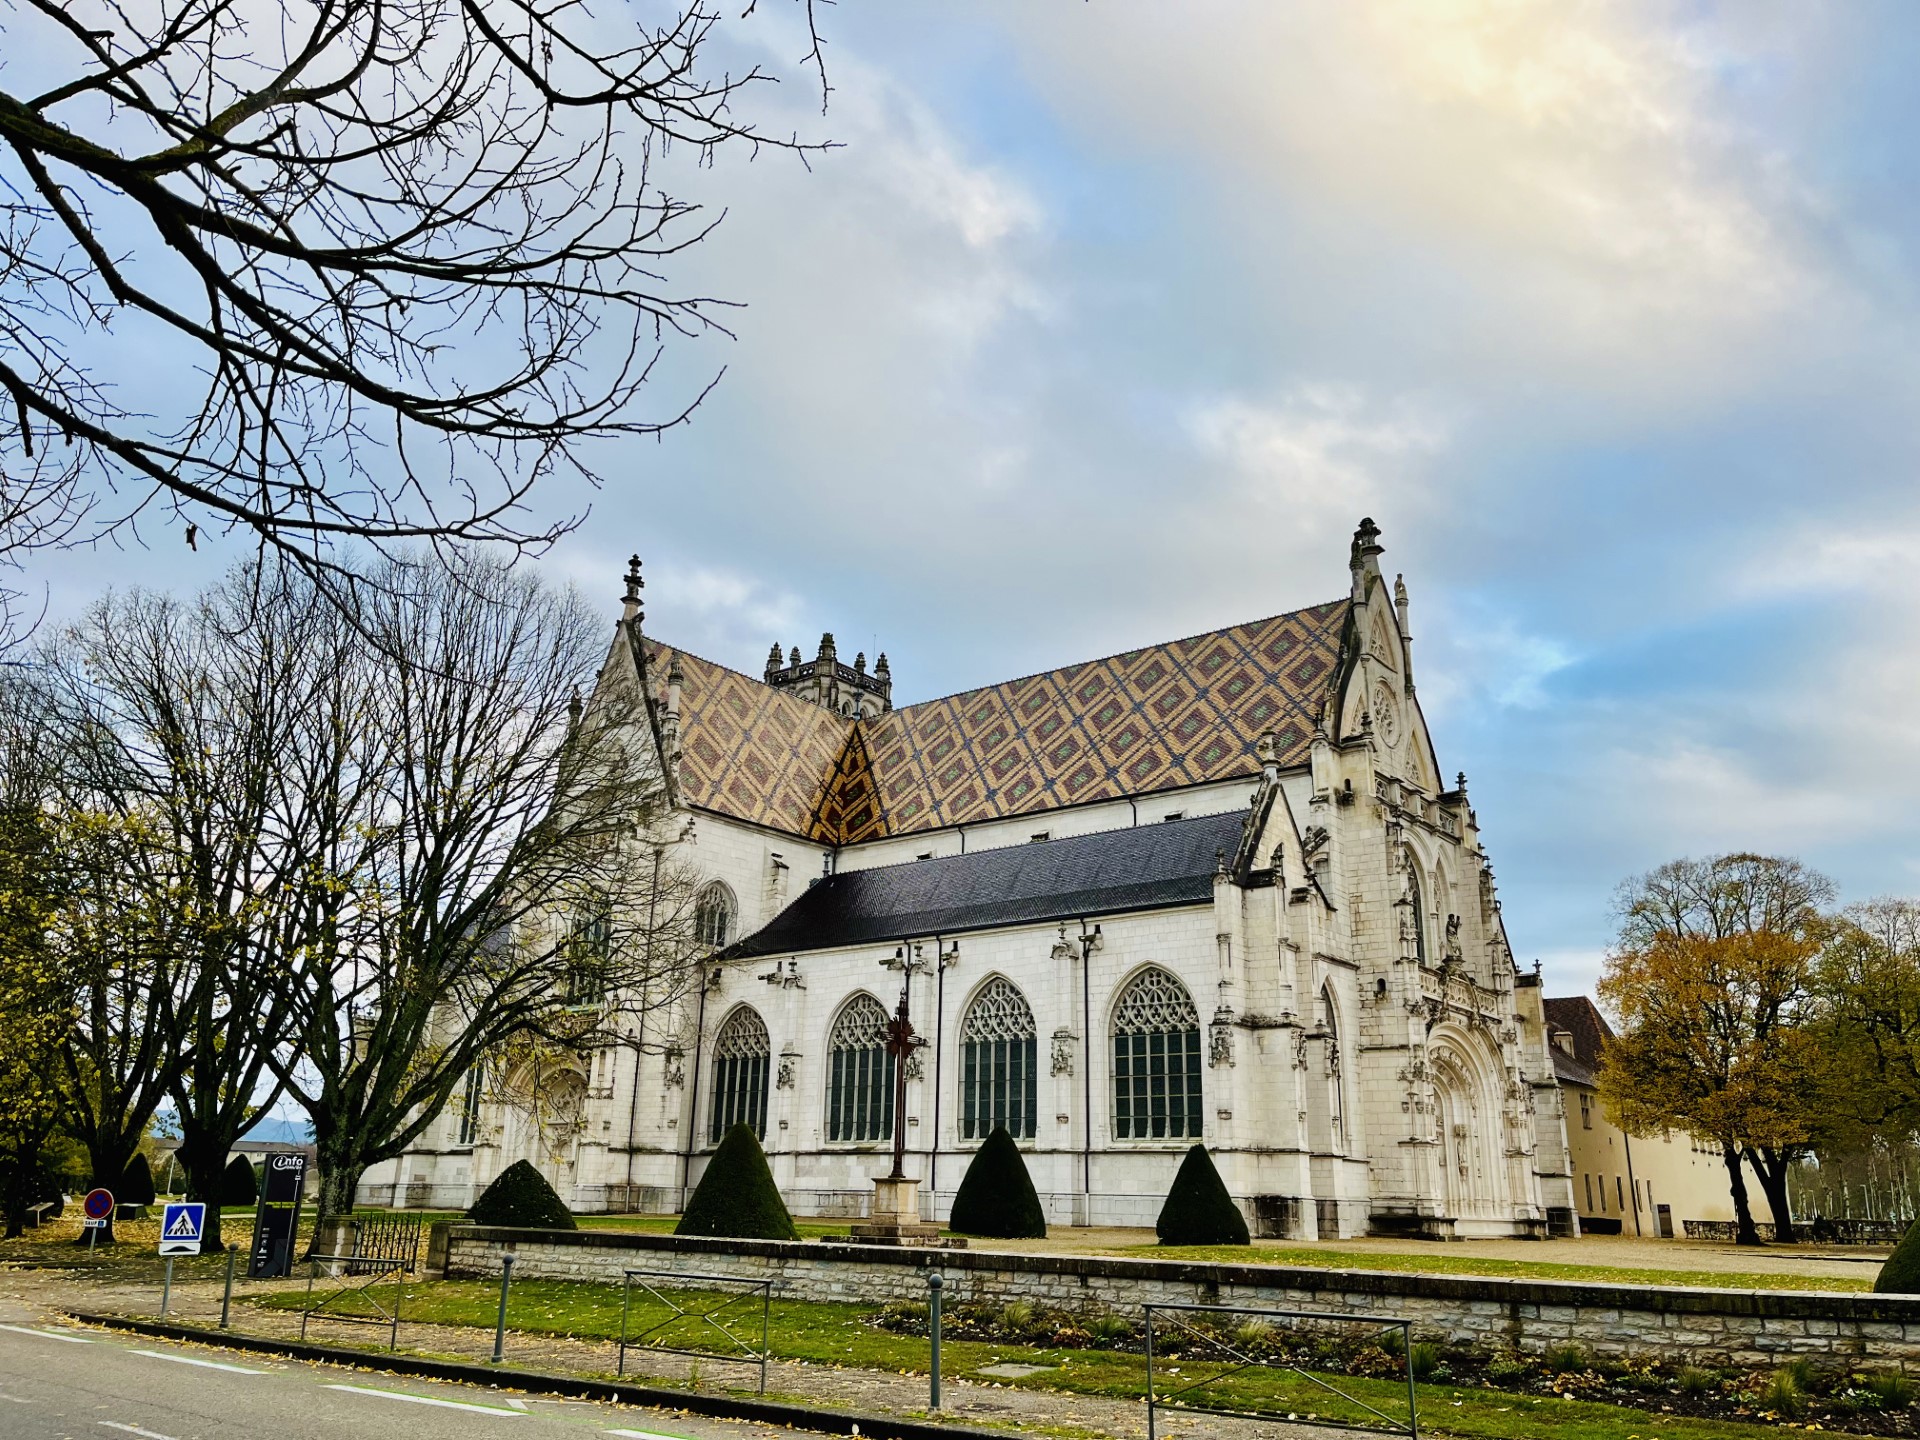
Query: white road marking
430	1400
135	1430
195	1360
645	1434
48	1334
517	1404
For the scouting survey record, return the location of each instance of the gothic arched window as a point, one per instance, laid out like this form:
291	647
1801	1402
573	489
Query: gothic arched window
1336	1109
741	1053
713	916
1156	1060
859	1073
998	1053
1417	911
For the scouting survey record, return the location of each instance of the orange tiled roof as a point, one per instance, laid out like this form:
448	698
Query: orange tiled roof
1183	713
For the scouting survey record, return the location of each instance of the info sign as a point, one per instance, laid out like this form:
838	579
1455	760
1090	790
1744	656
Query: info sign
277	1220
98	1209
181	1225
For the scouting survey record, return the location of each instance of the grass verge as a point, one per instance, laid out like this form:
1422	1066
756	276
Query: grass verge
841	1335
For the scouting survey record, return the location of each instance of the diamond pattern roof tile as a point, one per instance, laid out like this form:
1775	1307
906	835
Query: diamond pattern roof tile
1184	713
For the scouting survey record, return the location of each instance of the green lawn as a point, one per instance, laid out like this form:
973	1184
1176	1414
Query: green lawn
1442	1263
835	1334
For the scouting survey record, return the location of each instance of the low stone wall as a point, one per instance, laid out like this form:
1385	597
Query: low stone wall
1740	1327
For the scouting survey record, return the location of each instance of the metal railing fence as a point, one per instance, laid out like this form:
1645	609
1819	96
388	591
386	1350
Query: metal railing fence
1236	1356
726	1322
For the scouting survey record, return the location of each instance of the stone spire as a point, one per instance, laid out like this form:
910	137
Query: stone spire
631	611
774	663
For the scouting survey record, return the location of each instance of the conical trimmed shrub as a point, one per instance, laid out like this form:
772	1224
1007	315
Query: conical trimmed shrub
1901	1274
736	1197
240	1186
1198	1210
520	1195
996	1199
136	1186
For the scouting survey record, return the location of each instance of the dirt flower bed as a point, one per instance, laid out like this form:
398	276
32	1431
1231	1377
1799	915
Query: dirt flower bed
1799	1394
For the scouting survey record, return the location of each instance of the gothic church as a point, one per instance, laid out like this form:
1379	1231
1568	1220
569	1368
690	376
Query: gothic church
1212	889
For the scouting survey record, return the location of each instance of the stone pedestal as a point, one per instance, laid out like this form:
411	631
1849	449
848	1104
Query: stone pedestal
895	1217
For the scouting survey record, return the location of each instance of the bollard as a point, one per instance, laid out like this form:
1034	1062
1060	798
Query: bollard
226	1295
936	1282
166	1289
500	1325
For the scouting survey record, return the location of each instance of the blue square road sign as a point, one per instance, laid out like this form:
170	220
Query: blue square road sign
181	1224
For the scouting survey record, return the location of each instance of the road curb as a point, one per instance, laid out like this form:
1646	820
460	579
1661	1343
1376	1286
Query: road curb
722	1407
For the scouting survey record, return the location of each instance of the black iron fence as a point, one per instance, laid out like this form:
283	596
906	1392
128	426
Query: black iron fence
378	1239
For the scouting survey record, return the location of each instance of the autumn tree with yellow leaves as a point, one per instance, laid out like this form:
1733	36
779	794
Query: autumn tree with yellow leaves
1713	980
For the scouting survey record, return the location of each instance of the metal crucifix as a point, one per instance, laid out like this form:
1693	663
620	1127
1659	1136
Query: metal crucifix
901	1043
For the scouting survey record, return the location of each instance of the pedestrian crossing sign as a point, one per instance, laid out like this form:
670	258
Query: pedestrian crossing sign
181	1224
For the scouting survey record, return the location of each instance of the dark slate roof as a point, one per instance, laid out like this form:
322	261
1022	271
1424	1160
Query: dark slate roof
1569	1071
1580	1018
1143	868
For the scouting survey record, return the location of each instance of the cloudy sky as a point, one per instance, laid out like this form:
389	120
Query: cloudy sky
1109	320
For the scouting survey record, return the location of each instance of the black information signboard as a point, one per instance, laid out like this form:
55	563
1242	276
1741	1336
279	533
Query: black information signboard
278	1218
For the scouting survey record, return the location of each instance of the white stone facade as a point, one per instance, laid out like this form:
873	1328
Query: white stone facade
1371	1059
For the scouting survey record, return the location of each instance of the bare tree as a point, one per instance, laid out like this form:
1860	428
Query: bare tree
186	707
342	268
467	906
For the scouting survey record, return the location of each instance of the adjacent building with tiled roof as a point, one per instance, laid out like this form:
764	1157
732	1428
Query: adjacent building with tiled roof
1211	889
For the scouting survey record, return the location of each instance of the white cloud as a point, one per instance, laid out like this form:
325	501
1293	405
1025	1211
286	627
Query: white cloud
1318	458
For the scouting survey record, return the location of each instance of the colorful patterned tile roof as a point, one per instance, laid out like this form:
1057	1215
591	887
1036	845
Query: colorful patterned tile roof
1159	718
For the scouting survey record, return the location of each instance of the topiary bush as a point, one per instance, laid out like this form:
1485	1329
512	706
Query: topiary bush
136	1186
996	1198
1198	1210
239	1187
736	1197
1901	1274
520	1195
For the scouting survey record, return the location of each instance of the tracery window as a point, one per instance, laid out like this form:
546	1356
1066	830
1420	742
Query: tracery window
1156	1060
713	916
998	1064
589	953
741	1056
859	1073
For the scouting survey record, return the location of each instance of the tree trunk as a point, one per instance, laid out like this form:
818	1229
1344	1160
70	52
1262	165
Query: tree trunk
339	1180
1742	1211
109	1153
1772	1166
16	1188
204	1158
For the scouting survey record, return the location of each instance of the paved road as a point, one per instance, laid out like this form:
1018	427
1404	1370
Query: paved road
62	1383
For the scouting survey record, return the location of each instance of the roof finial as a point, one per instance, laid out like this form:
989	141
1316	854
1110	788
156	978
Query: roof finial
860	663
773	660
794	657
574	709
632	612
1366	542
827	650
